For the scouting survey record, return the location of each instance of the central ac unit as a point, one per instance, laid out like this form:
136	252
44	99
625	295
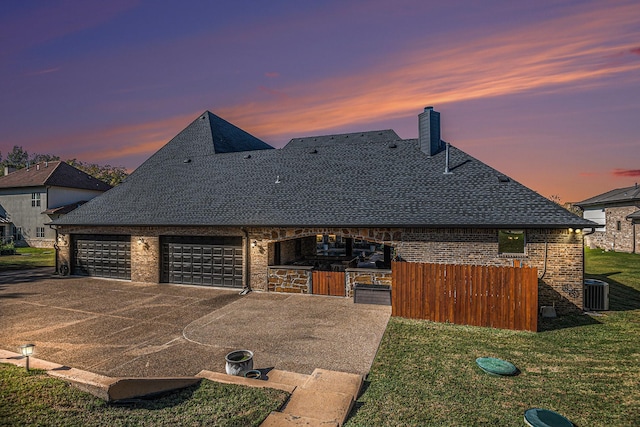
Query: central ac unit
596	295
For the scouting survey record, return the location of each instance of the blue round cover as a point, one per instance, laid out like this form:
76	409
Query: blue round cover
496	366
537	417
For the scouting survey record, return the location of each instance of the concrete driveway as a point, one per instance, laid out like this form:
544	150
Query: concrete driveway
125	329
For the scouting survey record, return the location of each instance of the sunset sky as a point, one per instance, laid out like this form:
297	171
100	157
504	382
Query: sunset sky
547	92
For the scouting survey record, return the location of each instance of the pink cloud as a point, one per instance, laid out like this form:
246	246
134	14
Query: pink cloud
525	59
635	51
626	172
272	75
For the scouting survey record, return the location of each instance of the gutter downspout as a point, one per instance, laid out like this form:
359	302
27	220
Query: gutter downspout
593	230
55	246
546	247
247	248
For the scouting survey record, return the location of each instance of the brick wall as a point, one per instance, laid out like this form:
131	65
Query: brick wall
559	261
624	239
560	270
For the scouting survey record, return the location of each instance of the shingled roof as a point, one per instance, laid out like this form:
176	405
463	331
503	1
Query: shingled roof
369	181
54	174
618	196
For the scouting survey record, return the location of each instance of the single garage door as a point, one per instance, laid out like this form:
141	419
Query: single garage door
208	261
102	256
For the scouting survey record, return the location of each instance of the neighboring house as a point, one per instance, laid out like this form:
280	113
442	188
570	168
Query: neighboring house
217	206
31	197
618	214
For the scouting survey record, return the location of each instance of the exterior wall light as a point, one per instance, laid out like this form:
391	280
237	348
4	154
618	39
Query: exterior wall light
254	243
571	230
27	350
141	242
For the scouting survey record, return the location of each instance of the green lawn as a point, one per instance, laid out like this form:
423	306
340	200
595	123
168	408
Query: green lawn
28	258
587	368
35	399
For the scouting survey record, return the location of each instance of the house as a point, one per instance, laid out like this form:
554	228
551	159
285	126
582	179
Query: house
218	207
32	197
618	214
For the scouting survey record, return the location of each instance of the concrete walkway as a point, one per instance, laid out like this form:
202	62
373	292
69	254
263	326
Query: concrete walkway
324	398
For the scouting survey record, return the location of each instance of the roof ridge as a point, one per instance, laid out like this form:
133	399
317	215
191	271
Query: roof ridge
46	180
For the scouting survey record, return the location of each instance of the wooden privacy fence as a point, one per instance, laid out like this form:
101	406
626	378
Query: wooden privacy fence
328	283
498	297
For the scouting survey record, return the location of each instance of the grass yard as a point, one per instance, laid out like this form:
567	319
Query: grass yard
584	367
36	399
28	258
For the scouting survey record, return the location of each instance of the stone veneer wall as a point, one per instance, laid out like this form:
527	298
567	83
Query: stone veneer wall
366	276
289	279
627	239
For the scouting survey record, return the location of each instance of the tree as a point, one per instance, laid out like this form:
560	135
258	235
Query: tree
555	198
16	158
19	158
39	158
112	175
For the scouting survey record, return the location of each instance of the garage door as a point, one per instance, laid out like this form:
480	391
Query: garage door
208	261
102	256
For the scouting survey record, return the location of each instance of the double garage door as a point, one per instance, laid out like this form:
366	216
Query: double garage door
102	256
193	260
209	261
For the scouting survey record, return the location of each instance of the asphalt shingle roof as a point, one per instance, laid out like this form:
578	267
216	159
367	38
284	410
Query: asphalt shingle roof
55	174
617	196
367	182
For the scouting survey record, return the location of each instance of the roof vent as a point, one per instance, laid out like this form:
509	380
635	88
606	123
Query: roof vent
278	179
503	178
314	151
248	156
447	171
393	145
186	161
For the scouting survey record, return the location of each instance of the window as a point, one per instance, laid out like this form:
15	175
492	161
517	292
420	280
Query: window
17	233
40	232
511	242
618	226
35	200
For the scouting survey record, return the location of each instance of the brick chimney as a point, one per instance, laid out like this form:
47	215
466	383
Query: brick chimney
429	132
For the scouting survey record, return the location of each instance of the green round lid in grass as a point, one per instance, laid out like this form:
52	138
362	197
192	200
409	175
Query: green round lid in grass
496	366
537	417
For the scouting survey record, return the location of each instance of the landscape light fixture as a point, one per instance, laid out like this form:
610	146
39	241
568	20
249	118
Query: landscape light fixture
27	350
